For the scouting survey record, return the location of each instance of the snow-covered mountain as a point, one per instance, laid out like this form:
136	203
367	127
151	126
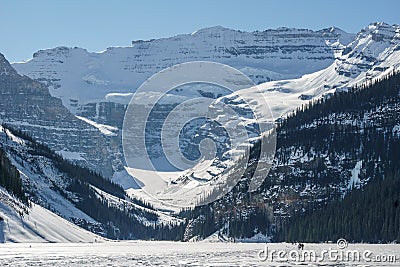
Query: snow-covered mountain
79	77
97	86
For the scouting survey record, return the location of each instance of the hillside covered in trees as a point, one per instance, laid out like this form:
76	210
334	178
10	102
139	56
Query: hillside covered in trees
335	174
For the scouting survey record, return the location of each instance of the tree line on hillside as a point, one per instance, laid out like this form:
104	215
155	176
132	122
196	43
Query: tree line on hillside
65	166
10	178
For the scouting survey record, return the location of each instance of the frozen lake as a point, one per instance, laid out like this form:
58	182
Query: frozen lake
149	253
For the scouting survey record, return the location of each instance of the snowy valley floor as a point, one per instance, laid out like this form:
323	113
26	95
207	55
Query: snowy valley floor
155	253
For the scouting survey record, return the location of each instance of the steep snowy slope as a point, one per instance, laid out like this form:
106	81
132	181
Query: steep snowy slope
38	225
79	77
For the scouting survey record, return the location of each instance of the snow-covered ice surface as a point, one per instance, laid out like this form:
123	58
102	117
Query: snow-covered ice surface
157	253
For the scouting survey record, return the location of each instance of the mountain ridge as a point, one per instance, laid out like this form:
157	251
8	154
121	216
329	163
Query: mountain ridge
261	55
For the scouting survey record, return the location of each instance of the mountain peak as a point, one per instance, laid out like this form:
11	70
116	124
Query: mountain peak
333	29
212	29
342	36
64	51
380	31
381	27
5	67
378	24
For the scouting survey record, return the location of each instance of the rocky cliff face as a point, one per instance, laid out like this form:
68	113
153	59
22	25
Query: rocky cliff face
374	50
28	105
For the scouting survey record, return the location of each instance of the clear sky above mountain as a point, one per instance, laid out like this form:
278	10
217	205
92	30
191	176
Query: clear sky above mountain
27	26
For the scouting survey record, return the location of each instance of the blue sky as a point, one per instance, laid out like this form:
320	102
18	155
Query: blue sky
27	26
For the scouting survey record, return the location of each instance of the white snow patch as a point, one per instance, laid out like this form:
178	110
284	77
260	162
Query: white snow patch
257	238
125	180
11	136
119	98
104	129
92	79
70	155
354	181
